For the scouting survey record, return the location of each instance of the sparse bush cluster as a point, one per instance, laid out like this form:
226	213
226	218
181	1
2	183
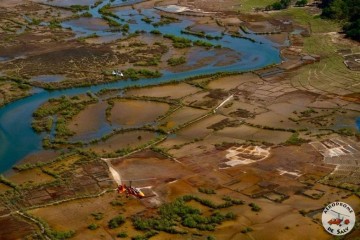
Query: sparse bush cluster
135	74
122	235
301	3
116	222
174	61
206	190
295	140
254	207
345	11
246	230
98	215
282	4
164	20
201	34
64	108
5	181
179	42
93	226
229	202
79	8
58	235
177	213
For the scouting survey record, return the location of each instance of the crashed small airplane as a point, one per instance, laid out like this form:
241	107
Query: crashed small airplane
117	73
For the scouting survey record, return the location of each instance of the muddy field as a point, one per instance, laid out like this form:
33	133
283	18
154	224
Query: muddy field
281	139
125	140
134	113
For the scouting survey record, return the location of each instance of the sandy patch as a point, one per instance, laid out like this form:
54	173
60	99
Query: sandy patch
245	155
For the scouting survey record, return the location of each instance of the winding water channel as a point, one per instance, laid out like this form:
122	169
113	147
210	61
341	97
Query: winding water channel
18	139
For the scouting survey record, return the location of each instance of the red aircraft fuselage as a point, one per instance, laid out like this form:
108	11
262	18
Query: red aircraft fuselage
335	221
130	191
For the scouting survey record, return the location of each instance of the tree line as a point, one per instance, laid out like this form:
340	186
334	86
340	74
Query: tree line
346	11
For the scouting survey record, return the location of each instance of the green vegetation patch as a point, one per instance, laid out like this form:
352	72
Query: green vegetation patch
135	74
254	207
8	183
53	24
93	226
346	11
165	20
282	4
179	42
105	11
153	61
116	222
79	8
156	32
111	22
98	215
200	34
206	190
295	139
251	5
172	216
202	43
122	235
86	14
174	61
58	235
12	89
64	109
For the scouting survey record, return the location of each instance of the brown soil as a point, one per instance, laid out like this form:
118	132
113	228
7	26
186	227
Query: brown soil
14	228
89	119
169	91
123	140
133	112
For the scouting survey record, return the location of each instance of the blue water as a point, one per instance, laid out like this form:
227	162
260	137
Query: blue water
17	138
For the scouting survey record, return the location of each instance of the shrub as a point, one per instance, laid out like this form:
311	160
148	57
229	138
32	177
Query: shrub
301	3
179	42
255	207
98	216
78	8
174	61
116	203
156	32
116	222
93	226
206	190
122	235
246	230
60	235
295	140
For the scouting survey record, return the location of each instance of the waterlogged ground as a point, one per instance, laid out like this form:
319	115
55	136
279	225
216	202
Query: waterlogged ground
252	149
67	60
